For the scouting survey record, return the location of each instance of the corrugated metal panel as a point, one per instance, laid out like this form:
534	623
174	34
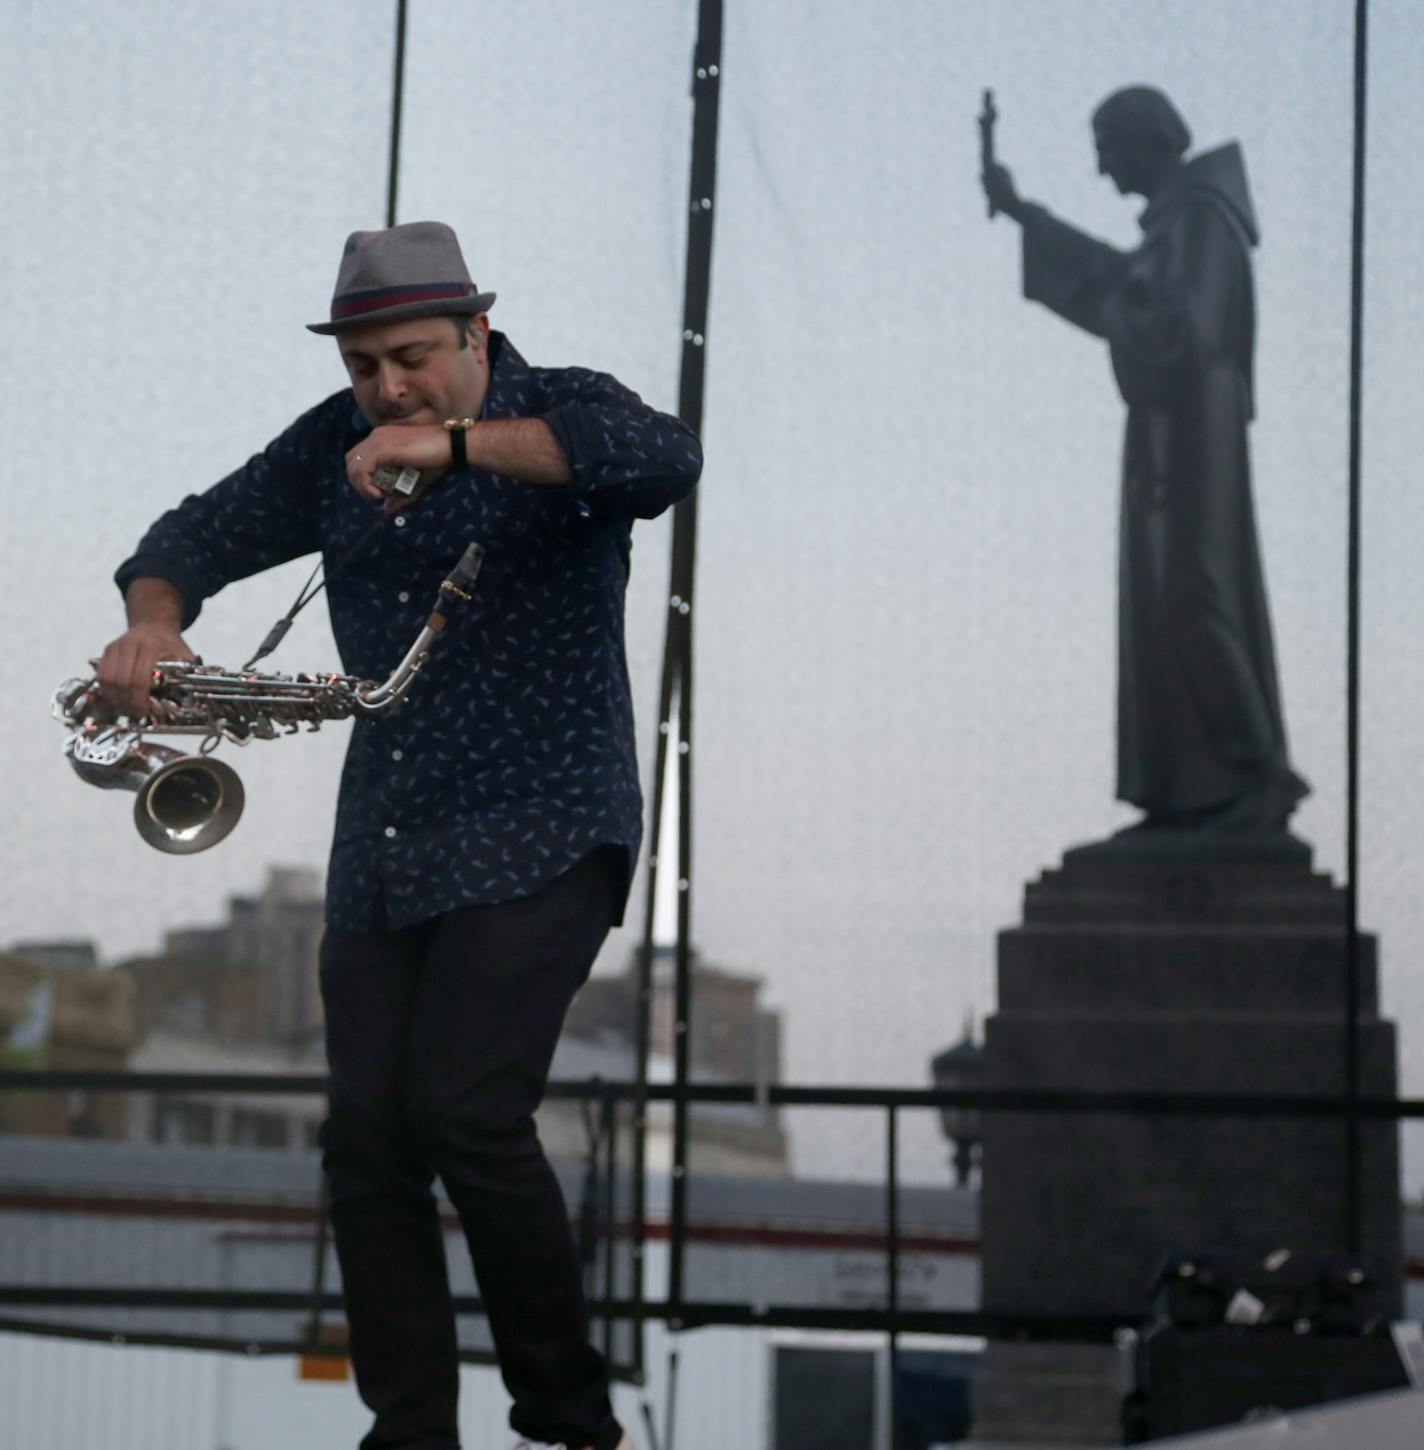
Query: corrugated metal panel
58	1395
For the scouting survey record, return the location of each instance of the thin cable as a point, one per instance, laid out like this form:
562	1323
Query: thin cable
397	104
892	1267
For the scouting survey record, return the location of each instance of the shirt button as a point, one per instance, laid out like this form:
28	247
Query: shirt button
397	755
390	831
400	521
404	596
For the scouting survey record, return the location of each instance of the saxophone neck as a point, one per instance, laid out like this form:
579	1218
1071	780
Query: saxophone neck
377	699
454	592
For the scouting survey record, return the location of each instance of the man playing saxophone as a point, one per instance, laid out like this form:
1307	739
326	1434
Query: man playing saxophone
485	833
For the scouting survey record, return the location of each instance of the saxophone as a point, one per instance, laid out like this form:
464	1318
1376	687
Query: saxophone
189	802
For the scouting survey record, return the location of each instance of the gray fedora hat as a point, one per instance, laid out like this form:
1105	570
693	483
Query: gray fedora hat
413	270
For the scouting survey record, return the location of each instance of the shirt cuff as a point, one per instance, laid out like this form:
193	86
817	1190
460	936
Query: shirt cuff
562	423
155	566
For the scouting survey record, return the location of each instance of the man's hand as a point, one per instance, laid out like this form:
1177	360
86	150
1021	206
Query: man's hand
126	668
155	610
998	184
422	446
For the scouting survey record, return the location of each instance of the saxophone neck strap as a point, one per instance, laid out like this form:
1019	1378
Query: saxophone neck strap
307	593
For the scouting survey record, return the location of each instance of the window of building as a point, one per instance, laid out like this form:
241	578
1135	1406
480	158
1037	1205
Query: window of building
193	1124
823	1399
252	1129
835	1395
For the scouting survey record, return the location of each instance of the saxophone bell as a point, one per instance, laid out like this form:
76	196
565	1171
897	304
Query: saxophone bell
190	802
184	803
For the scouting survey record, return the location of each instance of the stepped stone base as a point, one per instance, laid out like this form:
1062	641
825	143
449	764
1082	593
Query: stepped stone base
1048	1394
1199	970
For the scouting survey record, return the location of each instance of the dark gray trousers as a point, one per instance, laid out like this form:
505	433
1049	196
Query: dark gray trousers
439	1039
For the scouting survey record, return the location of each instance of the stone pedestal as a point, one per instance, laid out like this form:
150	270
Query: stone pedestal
1217	970
1029	1396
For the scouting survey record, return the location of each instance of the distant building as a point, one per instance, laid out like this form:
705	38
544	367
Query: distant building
733	1039
741	1138
78	953
243	997
733	1036
231	1118
251	980
63	1016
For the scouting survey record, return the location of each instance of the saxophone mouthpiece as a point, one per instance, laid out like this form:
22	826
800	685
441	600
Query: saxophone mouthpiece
456	588
459	584
464	574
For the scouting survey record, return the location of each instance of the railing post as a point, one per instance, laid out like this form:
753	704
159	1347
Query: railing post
892	1263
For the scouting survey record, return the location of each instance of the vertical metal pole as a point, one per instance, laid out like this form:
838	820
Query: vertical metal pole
609	1119
676	685
892	1265
319	1243
706	92
638	1205
397	98
670	1416
1354	1231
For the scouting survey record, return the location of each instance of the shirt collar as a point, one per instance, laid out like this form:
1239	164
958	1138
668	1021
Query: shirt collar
510	377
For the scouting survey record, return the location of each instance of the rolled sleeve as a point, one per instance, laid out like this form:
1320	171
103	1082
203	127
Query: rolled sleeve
632	458
259	516
155	564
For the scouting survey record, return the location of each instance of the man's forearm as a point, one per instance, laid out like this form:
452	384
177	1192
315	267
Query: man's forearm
522	448
155	602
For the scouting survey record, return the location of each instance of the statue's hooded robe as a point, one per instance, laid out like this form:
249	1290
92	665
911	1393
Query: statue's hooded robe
1199	714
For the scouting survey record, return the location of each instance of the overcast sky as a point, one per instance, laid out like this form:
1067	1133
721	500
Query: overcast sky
906	590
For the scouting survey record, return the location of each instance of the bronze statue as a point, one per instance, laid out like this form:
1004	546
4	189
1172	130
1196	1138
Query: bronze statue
1201	739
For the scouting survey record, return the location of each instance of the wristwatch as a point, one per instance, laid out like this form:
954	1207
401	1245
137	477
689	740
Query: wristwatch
457	428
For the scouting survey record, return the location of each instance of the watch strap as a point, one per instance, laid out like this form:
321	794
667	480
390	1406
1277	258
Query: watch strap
457	428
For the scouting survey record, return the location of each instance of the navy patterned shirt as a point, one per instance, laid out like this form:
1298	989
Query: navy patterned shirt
513	756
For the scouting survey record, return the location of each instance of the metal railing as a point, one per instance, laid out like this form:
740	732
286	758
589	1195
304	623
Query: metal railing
598	1215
